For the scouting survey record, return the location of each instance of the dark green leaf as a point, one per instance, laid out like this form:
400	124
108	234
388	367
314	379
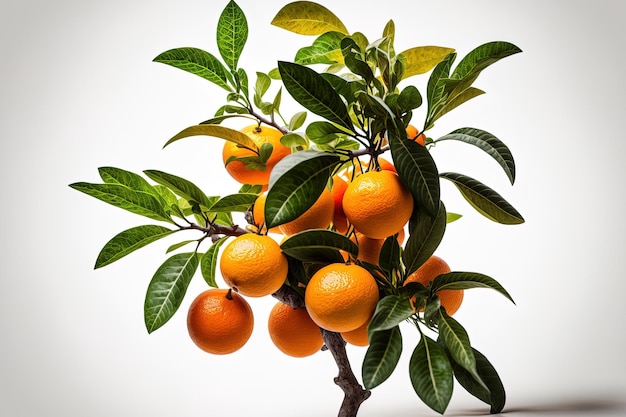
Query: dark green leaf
198	62
181	186
435	90
129	241
431	374
322	132
485	200
240	202
495	394
295	184
493	146
118	195
167	289
390	255
208	263
457	280
317	244
390	311
313	92
232	33
308	18
481	57
382	356
424	238
456	340
410	98
455	101
417	170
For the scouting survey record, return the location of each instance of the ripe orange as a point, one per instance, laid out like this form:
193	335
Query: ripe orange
386	165
258	212
358	336
341	297
293	331
369	249
259	135
218	324
253	265
318	216
378	204
337	191
412	133
450	299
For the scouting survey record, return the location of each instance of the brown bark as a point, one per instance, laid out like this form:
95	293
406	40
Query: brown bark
354	393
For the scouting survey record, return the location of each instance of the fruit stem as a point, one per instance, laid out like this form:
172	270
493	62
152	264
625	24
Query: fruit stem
354	393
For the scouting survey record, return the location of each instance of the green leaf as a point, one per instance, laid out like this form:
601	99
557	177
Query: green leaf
293	140
232	33
435	89
197	62
455	101
485	200
431	374
456	340
181	186
263	82
295	184
457	280
409	99
317	244
418	172
326	49
382	356
314	93
167	289
118	195
390	311
494	394
452	217
179	245
424	238
129	241
297	120
390	257
208	263
307	18
231	135
493	146
111	175
322	132
422	59
481	57
240	202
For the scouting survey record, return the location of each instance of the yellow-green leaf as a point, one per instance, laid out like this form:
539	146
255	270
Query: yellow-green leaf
308	18
422	59
216	131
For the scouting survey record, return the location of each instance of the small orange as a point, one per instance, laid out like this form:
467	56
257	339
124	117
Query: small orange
358	336
337	191
450	299
318	216
293	331
258	212
259	135
412	133
386	165
378	204
369	249
253	265
220	321
341	297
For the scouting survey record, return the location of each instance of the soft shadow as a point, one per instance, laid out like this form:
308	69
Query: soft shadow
574	407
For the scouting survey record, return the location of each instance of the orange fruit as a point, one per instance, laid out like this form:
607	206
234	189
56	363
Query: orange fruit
253	265
378	204
369	249
258	212
386	165
259	135
220	321
341	297
318	216
412	133
358	336
293	331
450	299
337	191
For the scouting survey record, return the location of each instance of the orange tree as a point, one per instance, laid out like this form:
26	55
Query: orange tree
358	91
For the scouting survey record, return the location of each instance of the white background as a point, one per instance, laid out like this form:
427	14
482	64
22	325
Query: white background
79	91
